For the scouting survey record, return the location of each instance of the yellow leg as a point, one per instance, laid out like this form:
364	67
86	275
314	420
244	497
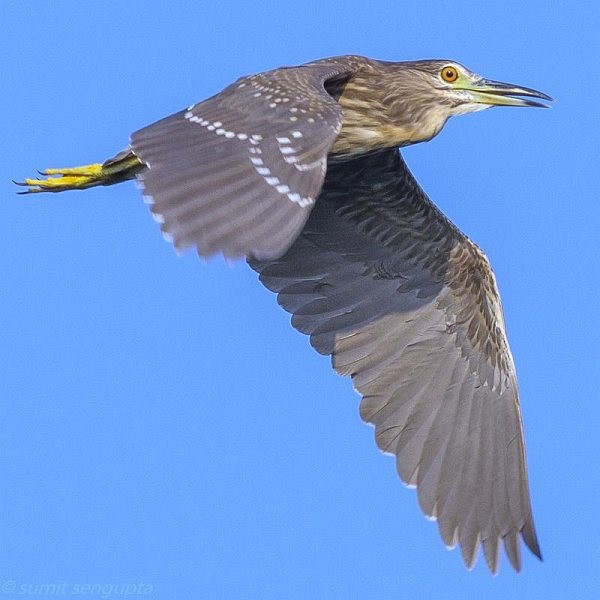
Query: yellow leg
72	178
86	170
122	167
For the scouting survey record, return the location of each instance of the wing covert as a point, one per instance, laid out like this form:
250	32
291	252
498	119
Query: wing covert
240	172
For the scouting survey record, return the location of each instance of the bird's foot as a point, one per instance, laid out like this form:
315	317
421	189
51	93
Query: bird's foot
71	178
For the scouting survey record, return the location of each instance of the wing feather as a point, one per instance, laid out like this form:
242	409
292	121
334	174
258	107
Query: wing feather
408	306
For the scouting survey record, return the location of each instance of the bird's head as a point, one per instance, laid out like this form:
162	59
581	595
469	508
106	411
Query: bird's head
422	95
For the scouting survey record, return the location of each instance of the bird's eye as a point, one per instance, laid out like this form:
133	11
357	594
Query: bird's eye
449	74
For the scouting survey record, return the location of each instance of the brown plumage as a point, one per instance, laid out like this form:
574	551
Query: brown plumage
298	170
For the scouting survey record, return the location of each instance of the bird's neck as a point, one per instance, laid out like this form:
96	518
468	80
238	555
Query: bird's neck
376	119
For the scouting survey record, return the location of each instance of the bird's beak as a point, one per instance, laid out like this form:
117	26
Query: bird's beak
496	93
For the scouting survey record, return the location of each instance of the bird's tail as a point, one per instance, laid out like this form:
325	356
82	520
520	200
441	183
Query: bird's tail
125	165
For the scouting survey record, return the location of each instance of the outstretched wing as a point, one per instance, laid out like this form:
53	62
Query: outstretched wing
239	172
408	306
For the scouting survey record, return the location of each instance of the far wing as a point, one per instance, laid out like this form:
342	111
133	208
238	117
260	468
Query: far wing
408	306
239	172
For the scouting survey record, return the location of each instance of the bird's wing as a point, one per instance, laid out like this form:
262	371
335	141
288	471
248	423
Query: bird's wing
408	306
239	172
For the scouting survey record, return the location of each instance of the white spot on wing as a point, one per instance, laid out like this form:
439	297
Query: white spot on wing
321	163
217	126
304	201
266	173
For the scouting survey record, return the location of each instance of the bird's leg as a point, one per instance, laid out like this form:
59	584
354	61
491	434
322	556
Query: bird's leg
73	178
125	165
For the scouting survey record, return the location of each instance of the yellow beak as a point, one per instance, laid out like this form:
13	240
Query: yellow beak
496	93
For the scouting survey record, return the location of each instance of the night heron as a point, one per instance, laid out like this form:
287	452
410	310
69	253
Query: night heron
298	170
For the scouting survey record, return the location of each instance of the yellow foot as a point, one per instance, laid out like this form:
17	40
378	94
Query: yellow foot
73	178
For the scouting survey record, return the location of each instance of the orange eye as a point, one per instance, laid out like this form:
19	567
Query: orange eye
449	74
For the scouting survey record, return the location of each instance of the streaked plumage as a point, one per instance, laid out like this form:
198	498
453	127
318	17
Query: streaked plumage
298	170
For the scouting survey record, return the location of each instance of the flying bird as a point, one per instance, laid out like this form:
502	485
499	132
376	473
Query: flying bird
298	170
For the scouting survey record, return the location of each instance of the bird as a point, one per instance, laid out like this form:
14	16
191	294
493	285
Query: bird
298	170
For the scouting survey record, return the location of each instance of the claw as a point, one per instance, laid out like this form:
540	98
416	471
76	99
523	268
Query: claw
28	183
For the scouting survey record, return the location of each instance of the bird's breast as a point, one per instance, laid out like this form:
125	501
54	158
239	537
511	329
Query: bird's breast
369	125
355	138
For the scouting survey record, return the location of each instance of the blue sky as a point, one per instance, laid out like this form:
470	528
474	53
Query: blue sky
162	424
